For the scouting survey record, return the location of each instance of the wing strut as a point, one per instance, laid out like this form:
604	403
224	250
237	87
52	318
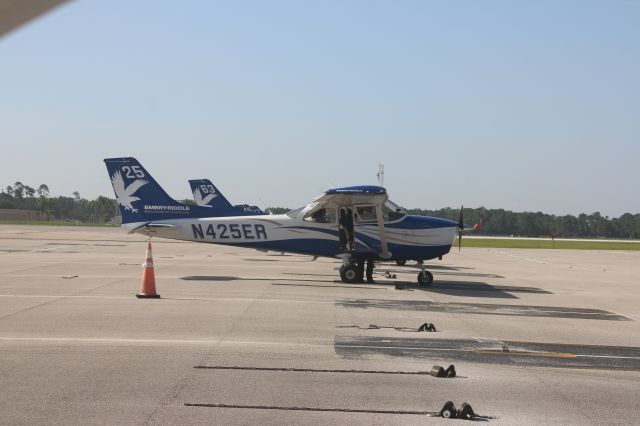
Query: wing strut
384	251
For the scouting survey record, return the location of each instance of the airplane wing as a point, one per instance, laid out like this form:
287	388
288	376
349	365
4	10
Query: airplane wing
14	13
351	195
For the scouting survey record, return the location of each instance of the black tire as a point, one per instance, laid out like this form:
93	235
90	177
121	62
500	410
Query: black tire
349	274
448	411
401	262
425	279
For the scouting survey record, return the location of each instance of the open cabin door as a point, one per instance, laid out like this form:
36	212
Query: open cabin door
360	213
363	217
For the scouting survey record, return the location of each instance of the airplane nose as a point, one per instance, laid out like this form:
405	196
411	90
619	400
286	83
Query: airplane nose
437	222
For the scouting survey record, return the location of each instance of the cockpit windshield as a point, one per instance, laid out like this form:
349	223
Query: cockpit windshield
392	212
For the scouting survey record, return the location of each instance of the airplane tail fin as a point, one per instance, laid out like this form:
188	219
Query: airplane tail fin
139	197
206	194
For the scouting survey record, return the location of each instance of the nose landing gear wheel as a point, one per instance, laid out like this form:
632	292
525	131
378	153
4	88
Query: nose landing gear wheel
401	262
349	274
425	278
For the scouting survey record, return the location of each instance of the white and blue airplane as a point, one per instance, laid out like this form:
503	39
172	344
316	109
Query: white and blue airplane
206	194
379	229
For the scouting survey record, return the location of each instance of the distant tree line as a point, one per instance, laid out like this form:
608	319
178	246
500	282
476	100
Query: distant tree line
528	224
277	210
500	222
494	221
24	197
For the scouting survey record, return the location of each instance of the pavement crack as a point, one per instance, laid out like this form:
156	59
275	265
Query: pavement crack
335	410
310	370
57	299
380	327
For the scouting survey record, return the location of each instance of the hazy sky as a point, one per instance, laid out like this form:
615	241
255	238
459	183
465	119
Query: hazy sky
517	105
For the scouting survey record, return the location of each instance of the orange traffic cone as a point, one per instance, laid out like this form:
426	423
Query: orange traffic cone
148	286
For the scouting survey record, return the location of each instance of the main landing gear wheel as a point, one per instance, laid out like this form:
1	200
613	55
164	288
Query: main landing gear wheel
349	274
400	262
425	278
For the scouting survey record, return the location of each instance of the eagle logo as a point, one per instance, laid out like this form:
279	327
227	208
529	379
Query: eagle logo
124	194
200	201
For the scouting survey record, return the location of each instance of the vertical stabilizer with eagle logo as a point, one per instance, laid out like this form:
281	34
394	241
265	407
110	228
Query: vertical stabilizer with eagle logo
139	196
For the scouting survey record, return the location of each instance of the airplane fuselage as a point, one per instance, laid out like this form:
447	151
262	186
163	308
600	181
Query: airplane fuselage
412	237
354	223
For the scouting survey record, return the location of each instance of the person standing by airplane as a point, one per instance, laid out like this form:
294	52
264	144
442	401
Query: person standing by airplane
343	229
360	269
350	240
370	266
346	224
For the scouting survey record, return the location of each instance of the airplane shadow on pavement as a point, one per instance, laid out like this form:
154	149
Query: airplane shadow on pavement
230	278
479	289
282	281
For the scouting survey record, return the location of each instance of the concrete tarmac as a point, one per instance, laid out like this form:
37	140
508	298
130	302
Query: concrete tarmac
244	337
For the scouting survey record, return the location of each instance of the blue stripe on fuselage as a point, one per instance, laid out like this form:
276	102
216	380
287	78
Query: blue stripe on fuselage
421	222
330	248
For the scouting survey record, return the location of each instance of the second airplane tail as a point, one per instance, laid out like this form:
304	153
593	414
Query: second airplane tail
207	195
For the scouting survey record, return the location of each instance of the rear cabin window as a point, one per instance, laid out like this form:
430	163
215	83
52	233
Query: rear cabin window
365	214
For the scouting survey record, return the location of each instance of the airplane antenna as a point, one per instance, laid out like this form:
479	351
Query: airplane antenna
380	174
266	207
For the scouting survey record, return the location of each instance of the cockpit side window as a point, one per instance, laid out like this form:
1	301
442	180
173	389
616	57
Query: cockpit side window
365	214
326	215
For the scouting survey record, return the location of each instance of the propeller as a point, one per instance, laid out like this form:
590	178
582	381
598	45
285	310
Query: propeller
460	228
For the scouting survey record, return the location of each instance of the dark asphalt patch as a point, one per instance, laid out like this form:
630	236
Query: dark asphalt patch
482	308
493	352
